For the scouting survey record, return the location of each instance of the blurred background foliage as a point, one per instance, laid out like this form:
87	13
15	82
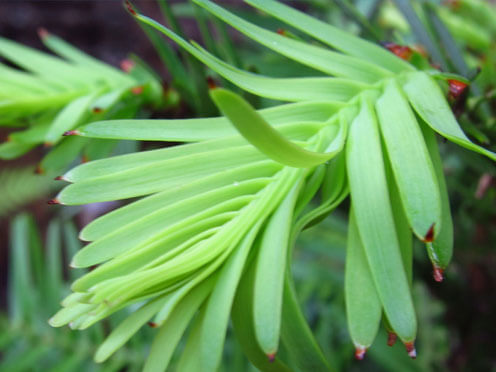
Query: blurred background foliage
456	317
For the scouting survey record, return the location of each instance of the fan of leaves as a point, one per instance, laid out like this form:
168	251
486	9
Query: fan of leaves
48	96
212	234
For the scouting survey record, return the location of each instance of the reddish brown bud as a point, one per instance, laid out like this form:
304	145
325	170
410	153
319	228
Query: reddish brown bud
72	133
130	8
137	90
410	349
127	65
43	33
401	51
53	201
429	236
271	357
437	273
456	88
360	352
211	83
392	337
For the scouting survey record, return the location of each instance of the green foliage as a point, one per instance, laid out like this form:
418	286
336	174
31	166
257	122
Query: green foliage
48	96
21	186
211	234
36	283
220	211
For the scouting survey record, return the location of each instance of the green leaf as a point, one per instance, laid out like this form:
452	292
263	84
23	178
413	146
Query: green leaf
296	334
131	212
157	176
265	138
269	275
68	118
363	306
192	130
53	282
152	225
121	334
213	327
62	155
441	249
171	331
242	319
332	36
319	58
21	291
66	50
365	165
428	101
410	161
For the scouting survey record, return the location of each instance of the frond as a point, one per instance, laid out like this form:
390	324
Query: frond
215	226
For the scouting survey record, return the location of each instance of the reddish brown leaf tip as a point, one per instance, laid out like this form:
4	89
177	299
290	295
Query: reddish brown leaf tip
429	236
211	83
137	90
53	201
130	8
392	337
271	357
153	324
281	31
401	51
85	159
437	273
47	144
410	349
43	33
96	110
360	352
72	133
39	170
127	65
456	88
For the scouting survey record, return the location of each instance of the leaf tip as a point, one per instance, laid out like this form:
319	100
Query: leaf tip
271	357
152	324
410	349
212	84
438	273
401	51
39	169
129	7
360	352
74	132
137	90
127	65
392	337
43	33
53	202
